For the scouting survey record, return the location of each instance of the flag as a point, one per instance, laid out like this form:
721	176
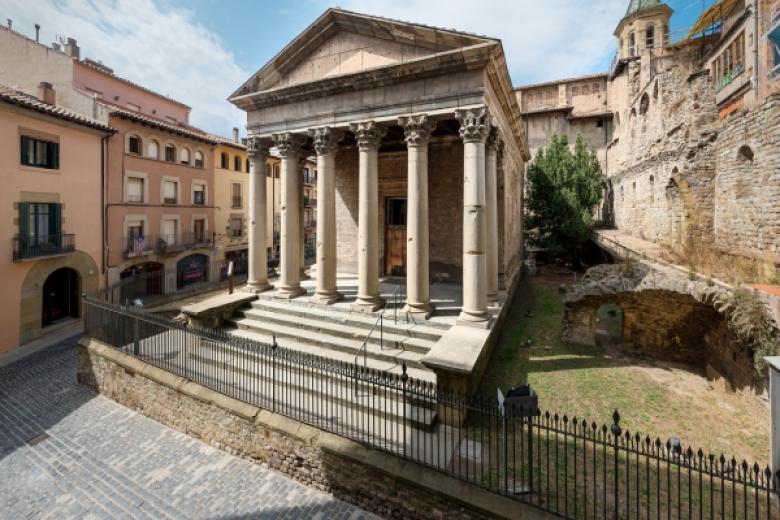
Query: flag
138	245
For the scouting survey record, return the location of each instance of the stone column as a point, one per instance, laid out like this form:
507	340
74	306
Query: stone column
369	136
325	144
491	215
301	226
289	146
474	126
257	279
418	133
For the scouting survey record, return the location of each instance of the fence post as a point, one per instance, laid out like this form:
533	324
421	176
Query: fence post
273	374
404	379
136	341
774	403
616	431
505	449
530	450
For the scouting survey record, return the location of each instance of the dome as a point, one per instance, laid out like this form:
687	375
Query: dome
640	5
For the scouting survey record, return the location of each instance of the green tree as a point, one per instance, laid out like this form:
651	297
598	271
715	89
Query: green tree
564	190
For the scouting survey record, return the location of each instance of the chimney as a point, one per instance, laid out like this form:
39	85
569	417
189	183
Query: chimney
72	49
235	134
37	32
46	93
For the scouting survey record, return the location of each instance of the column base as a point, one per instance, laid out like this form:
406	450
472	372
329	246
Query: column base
478	321
257	288
327	298
367	305
419	311
289	293
492	299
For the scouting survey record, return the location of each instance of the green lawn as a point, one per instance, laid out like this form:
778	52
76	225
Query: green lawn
653	398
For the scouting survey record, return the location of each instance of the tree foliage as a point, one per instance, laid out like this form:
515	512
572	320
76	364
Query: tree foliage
564	190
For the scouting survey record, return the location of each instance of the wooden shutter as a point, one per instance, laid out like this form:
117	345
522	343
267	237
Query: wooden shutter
25	151
55	219
24	219
53	155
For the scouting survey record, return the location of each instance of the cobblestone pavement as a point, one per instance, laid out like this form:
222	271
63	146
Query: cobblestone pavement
66	452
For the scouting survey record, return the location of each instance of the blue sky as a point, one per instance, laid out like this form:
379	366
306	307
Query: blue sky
199	51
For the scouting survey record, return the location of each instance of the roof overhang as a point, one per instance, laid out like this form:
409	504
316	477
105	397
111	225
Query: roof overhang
717	12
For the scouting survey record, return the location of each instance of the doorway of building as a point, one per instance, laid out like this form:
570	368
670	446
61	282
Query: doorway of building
191	270
142	281
60	296
395	236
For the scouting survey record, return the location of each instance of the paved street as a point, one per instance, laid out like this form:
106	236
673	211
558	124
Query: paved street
66	452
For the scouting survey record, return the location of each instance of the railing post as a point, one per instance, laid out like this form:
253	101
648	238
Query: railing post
404	379
616	431
136	341
505	448
530	451
274	345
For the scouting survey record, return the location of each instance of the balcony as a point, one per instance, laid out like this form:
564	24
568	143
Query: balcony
30	247
135	199
309	203
729	77
169	200
165	244
237	202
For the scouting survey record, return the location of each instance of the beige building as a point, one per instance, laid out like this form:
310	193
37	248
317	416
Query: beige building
432	102
51	203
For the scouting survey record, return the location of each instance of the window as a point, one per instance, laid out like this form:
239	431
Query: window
631	44
199	195
170	153
730	63
774	43
134	145
236	195
199	159
135	190
153	150
135	230
169	192
650	36
41	154
247	165
168	234
185	156
652	188
39	223
223	161
599	123
644	104
745	153
199	230
236	224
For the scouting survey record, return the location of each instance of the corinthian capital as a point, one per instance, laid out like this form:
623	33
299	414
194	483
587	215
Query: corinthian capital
369	135
417	129
474	123
325	139
493	141
257	148
288	144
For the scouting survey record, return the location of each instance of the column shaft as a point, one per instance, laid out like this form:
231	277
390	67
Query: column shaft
491	217
417	131
289	285
369	137
257	279
325	140
474	126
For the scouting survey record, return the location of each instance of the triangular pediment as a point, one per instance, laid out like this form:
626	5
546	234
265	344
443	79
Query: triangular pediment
342	42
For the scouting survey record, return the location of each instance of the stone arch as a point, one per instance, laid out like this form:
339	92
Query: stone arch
745	153
679	198
31	304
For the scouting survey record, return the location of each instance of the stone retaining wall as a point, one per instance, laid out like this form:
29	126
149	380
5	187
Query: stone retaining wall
386	485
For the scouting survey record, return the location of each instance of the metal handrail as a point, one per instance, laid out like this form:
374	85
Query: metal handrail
379	321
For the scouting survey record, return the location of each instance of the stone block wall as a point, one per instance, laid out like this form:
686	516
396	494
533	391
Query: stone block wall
386	485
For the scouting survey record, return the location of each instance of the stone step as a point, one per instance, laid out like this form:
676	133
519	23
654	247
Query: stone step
389	335
392	366
336	314
315	394
328	344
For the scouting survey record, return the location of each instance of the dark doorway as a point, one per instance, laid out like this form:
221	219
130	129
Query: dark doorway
395	236
191	270
141	281
60	296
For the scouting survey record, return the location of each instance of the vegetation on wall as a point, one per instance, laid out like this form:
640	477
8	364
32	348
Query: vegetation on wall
749	318
564	190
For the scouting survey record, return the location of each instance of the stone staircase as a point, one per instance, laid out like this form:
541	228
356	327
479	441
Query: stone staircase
338	334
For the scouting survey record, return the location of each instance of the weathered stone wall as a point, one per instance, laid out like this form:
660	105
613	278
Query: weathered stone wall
377	482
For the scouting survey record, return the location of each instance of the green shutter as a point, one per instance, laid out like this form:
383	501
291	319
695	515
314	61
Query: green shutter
53	155
25	146
24	219
55	224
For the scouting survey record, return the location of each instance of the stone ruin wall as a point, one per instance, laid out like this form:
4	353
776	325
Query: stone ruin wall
681	177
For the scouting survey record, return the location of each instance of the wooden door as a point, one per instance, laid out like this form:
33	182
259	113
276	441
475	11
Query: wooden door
395	237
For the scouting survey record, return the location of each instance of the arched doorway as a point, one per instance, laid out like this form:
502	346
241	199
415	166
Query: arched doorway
609	325
60	296
141	281
192	269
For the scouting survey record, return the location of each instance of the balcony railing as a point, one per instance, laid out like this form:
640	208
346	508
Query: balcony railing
27	247
236	201
136	199
729	77
309	203
165	244
169	200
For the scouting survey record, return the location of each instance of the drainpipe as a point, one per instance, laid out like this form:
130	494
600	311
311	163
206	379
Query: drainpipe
103	160
755	50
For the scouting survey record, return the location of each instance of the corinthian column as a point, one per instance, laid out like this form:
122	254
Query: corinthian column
325	140
474	126
417	131
289	146
369	136
257	279
491	214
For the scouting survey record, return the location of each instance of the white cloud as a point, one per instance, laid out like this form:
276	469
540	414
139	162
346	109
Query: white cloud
543	39
161	48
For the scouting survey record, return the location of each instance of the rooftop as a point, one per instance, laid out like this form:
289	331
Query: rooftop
180	129
16	97
600	75
640	5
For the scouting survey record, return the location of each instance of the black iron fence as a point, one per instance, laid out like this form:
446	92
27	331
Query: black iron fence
34	246
149	287
564	465
165	244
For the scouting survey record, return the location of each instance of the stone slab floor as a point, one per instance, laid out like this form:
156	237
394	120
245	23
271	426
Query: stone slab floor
66	452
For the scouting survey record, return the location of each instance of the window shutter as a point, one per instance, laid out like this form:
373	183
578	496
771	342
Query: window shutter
25	149
54	155
55	219
24	219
